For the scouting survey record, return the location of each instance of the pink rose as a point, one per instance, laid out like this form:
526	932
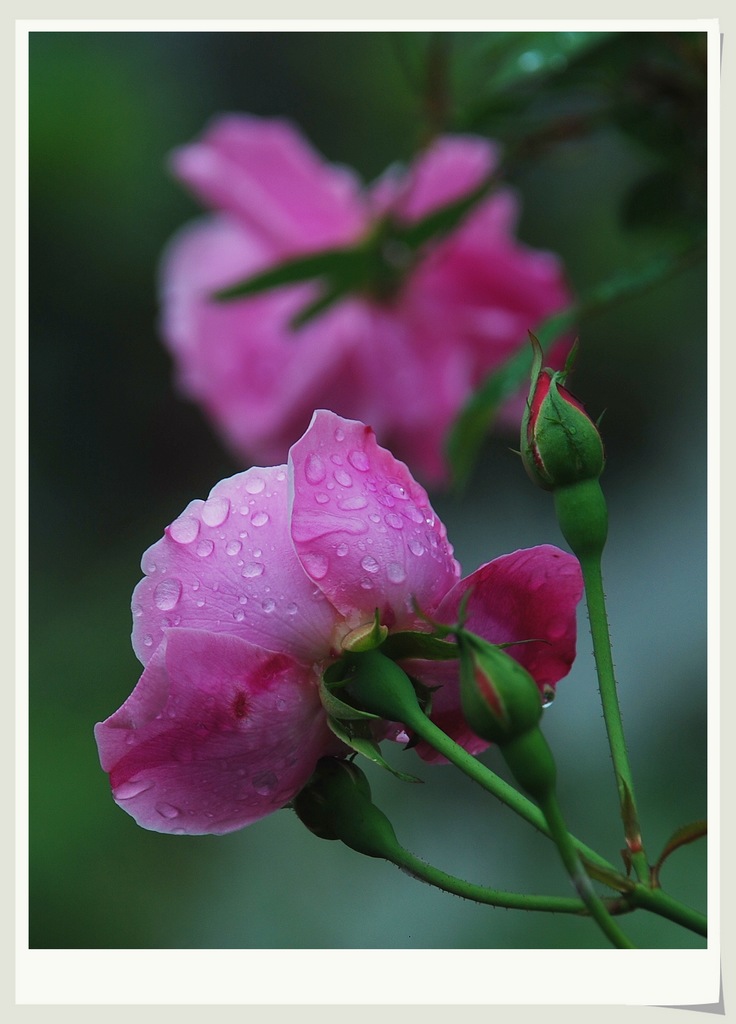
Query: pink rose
405	362
246	600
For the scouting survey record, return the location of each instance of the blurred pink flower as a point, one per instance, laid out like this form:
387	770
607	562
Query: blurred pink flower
405	363
248	597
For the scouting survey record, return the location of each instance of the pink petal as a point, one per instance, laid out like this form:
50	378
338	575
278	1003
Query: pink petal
362	527
531	594
216	735
268	175
450	168
227	565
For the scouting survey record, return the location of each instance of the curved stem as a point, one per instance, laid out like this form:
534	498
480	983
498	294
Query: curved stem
491	782
494	897
575	869
596	601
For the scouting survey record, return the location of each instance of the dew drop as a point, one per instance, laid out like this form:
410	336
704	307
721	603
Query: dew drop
292	608
341	550
233	547
548	695
394	520
413	513
321	497
268	605
366	584
374	517
314	469
255	484
315	564
416	547
243	599
359	461
137	611
184	530
339	434
369	564
166	594
257	552
148	640
127	790
215	511
205	548
397	491
200	603
337	459
168	811
395	572
264	783
260	519
252	569
238	614
352	504
343	478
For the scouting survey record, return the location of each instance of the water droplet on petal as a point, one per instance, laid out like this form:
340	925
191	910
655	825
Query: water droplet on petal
343	478
238	614
315	564
394	520
127	790
166	594
184	529
413	513
359	460
314	469
168	811
205	548
251	569
548	695
339	434
243	599
366	583
148	640
369	564
321	497
233	547
397	491
416	547
215	511
292	608
374	517
255	484
352	504
268	605
341	550
396	572
260	519
264	783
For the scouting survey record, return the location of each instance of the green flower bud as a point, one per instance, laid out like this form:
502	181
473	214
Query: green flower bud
500	699
560	444
336	804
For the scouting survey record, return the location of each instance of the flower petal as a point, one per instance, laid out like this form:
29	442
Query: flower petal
530	594
217	734
362	527
268	175
227	565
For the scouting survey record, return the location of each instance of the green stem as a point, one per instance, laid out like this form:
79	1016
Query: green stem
575	869
596	601
494	897
491	782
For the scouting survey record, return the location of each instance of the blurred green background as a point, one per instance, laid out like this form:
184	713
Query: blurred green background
615	178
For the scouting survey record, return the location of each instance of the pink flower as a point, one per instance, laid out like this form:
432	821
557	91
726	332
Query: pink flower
462	310
247	598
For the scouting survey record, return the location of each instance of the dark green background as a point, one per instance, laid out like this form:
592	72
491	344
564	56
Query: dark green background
115	455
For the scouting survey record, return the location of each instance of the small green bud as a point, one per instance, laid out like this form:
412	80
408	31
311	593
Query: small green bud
381	687
560	444
500	698
336	804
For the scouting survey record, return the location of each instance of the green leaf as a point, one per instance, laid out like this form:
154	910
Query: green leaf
356	738
681	837
336	708
442	221
338	264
